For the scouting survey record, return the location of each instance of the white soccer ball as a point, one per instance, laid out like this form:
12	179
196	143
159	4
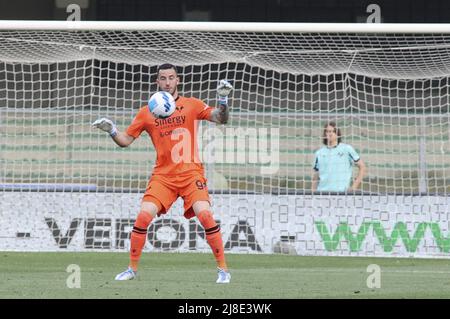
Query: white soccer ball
161	104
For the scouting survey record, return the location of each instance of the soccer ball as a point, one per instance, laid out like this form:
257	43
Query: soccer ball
161	104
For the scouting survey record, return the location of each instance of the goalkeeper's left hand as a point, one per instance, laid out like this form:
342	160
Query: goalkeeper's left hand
223	90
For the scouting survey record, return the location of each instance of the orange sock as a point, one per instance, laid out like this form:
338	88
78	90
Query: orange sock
213	237
138	238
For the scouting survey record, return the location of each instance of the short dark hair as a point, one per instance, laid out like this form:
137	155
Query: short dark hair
336	130
166	66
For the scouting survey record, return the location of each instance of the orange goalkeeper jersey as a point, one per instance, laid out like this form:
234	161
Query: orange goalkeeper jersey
174	138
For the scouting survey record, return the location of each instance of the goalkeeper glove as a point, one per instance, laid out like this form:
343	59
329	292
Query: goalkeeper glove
223	90
106	125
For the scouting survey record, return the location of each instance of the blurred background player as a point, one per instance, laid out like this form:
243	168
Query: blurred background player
333	163
178	171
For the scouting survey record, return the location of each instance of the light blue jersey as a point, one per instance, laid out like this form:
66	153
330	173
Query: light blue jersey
335	167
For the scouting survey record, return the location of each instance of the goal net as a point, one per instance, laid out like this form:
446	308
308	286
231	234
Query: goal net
64	185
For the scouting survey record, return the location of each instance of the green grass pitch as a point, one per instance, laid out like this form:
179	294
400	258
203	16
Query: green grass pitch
193	275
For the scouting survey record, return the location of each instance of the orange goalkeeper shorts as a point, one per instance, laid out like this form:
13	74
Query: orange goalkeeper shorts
163	191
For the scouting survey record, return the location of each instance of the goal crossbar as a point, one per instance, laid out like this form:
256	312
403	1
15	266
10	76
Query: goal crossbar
276	27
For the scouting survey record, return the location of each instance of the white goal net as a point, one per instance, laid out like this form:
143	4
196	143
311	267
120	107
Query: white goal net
75	189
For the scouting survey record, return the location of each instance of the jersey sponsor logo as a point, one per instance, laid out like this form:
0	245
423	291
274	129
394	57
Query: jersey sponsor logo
179	109
170	121
165	133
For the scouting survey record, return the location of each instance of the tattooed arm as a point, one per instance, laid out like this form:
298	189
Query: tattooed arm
220	114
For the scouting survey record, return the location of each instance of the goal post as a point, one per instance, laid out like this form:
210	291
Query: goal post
386	86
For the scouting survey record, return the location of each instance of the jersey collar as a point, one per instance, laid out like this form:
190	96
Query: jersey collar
333	146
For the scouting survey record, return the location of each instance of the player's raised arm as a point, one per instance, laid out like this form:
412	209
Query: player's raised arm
221	112
121	138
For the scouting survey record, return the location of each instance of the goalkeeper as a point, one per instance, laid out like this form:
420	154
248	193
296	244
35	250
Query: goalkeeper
333	163
171	176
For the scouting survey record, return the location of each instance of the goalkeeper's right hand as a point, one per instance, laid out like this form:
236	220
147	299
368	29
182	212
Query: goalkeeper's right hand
106	125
